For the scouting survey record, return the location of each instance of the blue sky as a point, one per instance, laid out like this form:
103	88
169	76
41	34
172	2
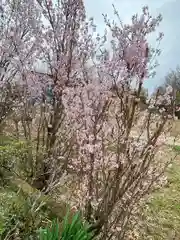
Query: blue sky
170	26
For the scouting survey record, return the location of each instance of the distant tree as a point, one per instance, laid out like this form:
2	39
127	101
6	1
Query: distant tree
178	97
173	79
144	94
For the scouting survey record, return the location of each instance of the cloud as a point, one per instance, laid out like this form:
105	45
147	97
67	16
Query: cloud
170	9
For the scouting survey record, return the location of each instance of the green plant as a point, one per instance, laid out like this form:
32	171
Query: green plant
16	157
5	140
50	233
76	230
176	148
20	216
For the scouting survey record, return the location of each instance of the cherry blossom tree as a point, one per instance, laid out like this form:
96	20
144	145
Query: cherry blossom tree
92	127
112	182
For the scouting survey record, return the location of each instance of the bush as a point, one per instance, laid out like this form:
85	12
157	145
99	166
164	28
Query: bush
21	217
17	158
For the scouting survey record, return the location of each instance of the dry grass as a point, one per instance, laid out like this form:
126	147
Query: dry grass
175	128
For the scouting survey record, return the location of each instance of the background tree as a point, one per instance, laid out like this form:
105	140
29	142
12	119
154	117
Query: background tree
172	79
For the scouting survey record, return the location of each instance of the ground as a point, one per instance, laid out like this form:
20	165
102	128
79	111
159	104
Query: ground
161	214
161	218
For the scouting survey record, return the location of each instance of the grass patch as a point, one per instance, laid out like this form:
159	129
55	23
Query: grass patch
176	148
161	218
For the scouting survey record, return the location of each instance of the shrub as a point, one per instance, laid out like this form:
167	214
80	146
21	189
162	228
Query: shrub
16	158
21	217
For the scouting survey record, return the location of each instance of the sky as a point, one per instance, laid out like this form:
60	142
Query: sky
170	26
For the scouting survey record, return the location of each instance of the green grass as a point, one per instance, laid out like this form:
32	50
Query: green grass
176	148
161	219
